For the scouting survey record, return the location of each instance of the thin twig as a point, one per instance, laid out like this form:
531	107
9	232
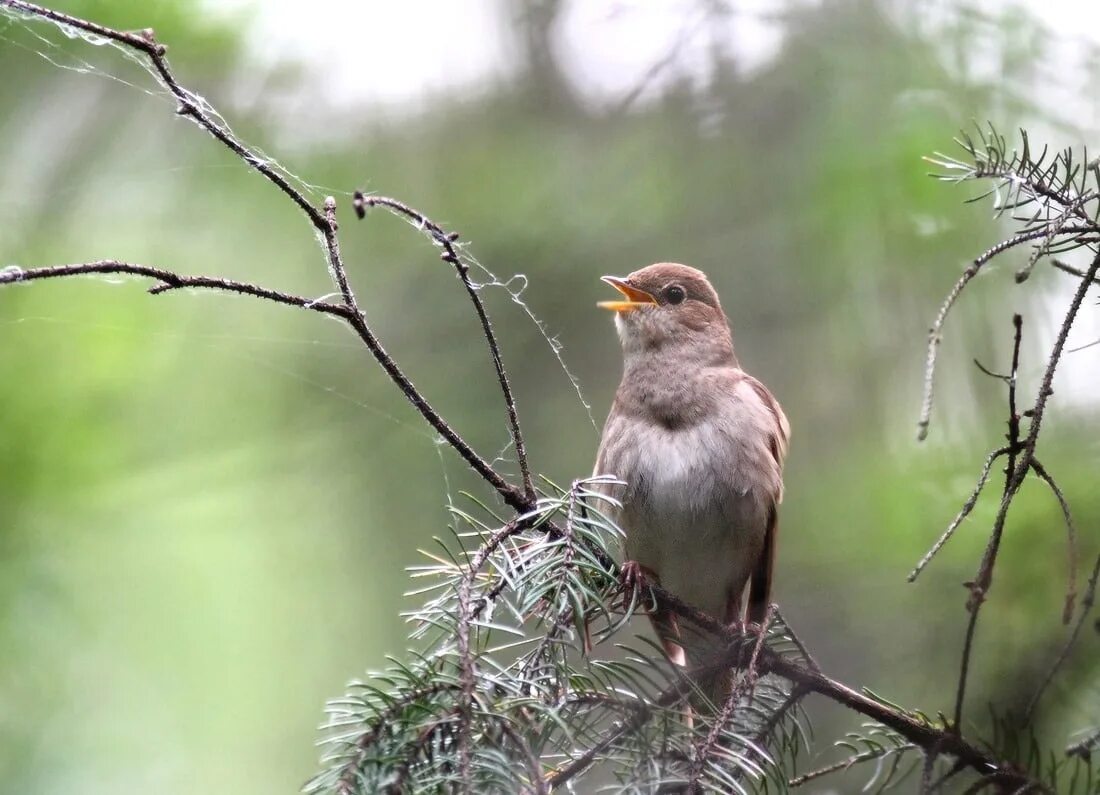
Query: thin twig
803	650
1072	271
1071	539
169	281
189	104
1043	248
1016	474
323	221
835	767
985	573
725	713
450	254
967	507
1086	607
935	334
534	767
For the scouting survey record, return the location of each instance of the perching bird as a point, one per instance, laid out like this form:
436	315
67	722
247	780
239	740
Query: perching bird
700	445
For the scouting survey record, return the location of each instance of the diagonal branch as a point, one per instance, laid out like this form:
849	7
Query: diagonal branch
935	333
914	728
967	507
190	105
323	220
1071	538
1086	607
450	254
1016	472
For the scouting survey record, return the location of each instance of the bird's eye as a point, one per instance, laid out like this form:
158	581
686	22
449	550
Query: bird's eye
675	294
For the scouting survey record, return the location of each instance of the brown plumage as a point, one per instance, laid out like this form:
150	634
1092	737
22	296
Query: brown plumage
700	446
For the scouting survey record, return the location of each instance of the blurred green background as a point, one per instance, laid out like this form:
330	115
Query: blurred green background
207	503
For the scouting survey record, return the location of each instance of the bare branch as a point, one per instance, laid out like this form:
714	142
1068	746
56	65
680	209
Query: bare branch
450	254
935	334
1013	448
967	507
324	221
1071	539
190	105
1086	607
169	280
835	767
1017	472
1065	267
914	728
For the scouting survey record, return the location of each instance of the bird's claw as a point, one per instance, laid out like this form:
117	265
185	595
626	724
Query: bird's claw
633	577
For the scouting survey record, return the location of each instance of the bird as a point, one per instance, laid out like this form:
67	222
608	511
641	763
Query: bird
697	448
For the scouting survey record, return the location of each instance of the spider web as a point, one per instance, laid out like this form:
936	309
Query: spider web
133	71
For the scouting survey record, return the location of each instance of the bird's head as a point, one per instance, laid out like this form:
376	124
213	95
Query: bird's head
669	305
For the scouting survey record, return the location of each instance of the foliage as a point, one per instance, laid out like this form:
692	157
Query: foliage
505	691
516	686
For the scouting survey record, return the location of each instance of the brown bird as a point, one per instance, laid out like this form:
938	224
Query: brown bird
700	445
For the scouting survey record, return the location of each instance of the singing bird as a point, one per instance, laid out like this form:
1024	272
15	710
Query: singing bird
699	444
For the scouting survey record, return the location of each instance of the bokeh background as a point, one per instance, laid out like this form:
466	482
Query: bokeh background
207	503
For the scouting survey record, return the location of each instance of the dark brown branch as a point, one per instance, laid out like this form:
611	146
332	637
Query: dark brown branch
169	281
322	220
146	44
988	560
1018	470
912	727
450	254
704	747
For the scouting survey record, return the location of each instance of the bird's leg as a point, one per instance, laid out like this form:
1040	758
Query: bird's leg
667	628
633	576
761	632
733	617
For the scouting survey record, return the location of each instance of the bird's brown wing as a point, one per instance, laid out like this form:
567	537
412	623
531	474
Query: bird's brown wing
760	583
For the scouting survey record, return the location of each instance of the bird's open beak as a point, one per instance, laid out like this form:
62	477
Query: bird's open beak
635	298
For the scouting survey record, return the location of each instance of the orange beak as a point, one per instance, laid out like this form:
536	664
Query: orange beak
635	298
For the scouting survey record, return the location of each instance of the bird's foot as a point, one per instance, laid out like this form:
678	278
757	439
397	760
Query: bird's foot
633	577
